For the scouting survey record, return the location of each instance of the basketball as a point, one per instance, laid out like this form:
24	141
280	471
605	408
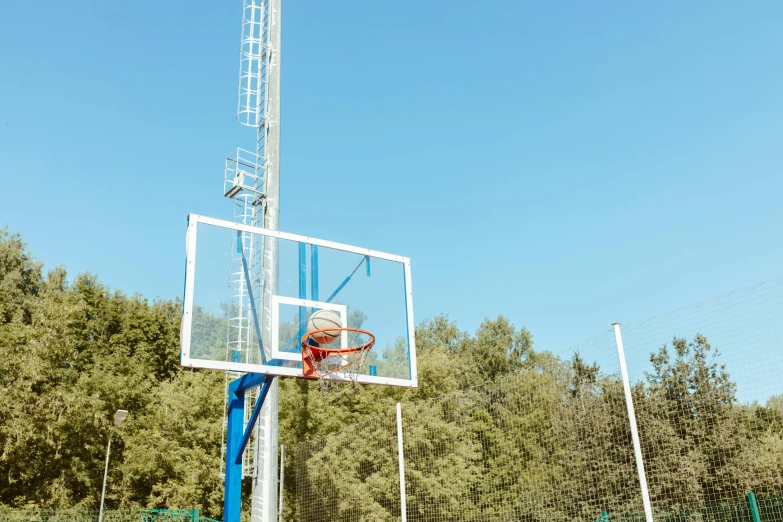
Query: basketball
323	320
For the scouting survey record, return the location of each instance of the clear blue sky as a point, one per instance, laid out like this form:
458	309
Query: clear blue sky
566	164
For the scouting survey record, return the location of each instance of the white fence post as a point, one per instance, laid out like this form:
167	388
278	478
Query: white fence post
282	476
637	448
401	457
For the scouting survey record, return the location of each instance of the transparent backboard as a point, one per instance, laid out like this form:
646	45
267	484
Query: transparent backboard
249	293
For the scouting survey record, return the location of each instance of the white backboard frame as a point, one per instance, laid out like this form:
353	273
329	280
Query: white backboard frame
287	371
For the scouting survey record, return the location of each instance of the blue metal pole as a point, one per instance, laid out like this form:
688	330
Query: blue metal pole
314	272
337	290
302	287
254	416
249	284
754	507
232	493
250	380
347	279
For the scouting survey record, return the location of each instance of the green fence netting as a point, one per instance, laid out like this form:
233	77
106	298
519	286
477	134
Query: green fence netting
769	509
91	515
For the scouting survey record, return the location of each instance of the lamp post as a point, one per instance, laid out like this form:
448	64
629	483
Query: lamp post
119	417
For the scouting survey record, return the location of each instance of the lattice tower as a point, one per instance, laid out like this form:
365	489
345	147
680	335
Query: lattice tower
244	182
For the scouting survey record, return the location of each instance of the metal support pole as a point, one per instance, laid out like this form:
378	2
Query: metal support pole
232	495
302	287
401	458
282	478
264	497
267	380
105	472
637	448
754	507
264	492
314	272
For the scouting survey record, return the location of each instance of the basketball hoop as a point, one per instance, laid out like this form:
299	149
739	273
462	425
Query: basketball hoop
321	361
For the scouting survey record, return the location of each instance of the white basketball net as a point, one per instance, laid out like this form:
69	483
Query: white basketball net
347	365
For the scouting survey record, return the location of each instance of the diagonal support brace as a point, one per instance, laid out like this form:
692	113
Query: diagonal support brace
266	384
249	286
237	439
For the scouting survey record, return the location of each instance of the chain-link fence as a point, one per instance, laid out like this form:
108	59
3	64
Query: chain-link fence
349	475
538	445
555	442
708	385
91	515
548	443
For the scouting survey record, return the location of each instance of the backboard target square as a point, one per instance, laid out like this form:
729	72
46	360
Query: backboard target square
289	348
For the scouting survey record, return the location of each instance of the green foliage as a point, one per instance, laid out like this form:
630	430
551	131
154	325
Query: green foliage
691	430
495	426
92	515
548	440
75	352
173	450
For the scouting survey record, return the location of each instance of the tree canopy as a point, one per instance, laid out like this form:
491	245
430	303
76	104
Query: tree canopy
74	351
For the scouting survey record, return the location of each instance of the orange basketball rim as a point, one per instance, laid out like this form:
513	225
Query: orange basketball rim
313	354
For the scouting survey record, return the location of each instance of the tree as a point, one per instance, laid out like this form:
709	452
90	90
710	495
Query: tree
690	431
171	452
499	348
73	353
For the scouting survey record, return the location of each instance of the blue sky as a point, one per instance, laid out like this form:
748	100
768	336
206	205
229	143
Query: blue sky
566	164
